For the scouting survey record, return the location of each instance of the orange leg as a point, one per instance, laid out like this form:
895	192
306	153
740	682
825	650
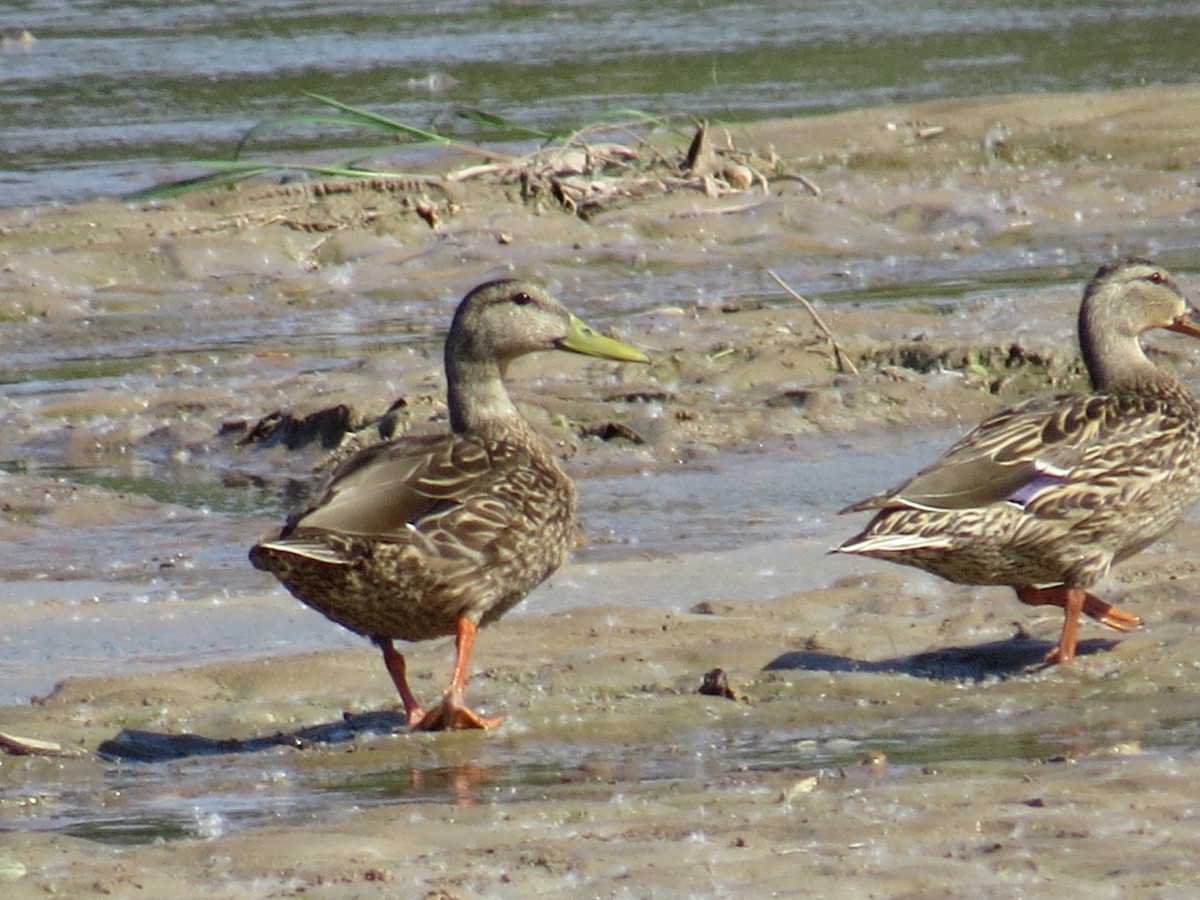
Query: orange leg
452	713
1075	601
413	712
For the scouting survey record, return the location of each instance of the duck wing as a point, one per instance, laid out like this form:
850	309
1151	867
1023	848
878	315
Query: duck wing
1049	441
445	488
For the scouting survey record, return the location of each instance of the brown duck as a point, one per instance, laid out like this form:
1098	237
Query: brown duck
1046	496
430	536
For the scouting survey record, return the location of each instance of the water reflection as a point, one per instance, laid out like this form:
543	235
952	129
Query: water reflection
209	796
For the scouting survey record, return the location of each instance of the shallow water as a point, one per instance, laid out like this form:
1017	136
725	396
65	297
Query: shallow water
159	787
110	97
151	801
764	514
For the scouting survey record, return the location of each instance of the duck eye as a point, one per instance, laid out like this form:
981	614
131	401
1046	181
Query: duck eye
1156	278
521	298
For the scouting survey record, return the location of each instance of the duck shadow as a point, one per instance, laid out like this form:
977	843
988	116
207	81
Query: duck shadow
135	745
1011	657
1014	656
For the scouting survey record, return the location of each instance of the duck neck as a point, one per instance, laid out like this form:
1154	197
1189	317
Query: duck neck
1130	370
479	402
1117	363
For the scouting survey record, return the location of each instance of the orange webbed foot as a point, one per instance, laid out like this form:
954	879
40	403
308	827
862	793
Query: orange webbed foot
1107	614
452	714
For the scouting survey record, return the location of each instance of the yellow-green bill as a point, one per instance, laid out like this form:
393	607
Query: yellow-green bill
583	338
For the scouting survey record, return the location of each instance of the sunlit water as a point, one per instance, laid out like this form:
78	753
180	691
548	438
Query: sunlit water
104	97
152	801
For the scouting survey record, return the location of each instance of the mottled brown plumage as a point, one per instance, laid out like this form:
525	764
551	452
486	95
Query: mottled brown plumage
1046	496
430	536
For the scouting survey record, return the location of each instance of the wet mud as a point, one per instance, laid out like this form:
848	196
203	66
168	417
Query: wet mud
875	730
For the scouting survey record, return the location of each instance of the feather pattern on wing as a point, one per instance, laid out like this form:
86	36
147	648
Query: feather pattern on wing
467	522
1048	444
1057	489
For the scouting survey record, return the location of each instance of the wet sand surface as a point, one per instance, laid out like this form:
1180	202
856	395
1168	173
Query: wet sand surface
884	733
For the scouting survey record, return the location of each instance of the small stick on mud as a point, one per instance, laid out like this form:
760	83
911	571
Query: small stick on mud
26	746
840	357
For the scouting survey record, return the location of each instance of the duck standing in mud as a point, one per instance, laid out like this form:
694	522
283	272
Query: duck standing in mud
1045	497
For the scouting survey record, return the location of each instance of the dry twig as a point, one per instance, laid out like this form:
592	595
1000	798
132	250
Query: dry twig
19	745
841	358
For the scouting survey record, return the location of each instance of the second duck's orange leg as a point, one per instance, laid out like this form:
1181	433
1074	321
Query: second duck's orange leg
452	713
1072	601
1075	601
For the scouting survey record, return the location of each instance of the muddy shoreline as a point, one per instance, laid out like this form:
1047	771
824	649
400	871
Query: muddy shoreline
883	733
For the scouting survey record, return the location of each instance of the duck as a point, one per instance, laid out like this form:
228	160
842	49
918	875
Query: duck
1045	497
435	535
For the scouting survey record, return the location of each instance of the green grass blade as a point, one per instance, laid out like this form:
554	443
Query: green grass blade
367	118
640	115
341	171
227	174
299	119
491	120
